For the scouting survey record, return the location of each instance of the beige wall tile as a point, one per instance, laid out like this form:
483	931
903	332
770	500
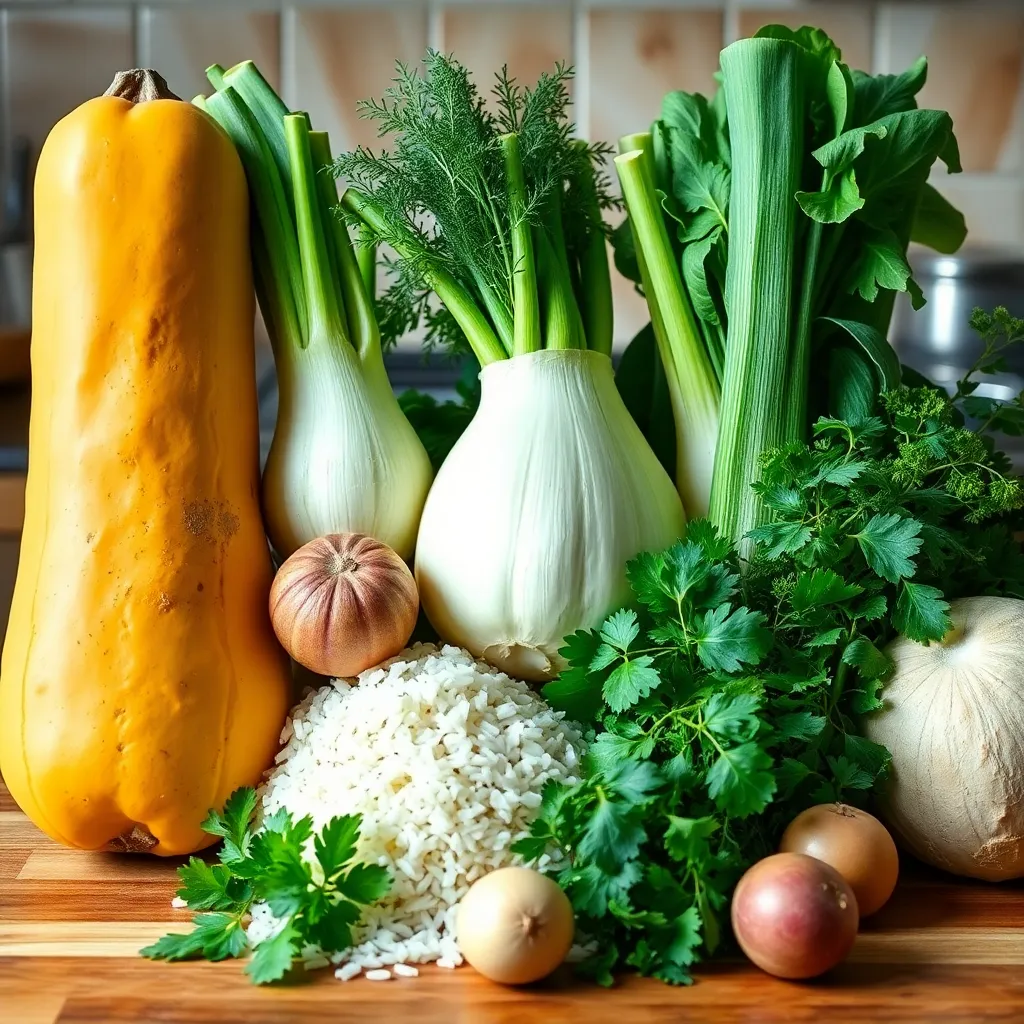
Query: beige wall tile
57	59
976	72
340	56
849	25
636	55
182	43
993	205
530	39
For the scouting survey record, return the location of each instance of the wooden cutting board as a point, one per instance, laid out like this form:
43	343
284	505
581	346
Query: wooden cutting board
71	923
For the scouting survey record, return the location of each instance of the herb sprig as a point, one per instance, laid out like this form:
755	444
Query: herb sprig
729	699
317	898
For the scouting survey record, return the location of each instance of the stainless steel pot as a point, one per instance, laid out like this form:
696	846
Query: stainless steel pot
936	340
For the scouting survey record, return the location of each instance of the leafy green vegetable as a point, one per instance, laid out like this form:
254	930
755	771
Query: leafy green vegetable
319	900
440	424
729	701
817	174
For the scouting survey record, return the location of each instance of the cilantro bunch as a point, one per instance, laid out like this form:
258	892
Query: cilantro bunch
318	899
729	699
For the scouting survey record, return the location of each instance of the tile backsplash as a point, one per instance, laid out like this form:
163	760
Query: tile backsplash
326	55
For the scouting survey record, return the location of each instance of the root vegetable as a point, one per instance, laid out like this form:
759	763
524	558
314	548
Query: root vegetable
954	723
794	916
852	841
342	603
515	926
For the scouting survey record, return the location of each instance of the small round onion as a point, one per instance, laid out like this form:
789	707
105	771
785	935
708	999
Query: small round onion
794	916
343	603
514	926
855	843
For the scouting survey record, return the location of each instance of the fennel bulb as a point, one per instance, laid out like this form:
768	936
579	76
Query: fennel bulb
344	459
534	514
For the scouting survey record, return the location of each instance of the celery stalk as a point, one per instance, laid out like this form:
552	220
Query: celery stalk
282	290
481	337
563	325
267	107
525	302
366	257
595	296
764	96
693	387
362	324
326	308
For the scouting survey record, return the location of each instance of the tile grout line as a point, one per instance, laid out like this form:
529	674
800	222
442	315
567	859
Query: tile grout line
581	61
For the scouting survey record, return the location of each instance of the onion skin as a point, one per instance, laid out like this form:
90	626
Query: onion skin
852	841
794	916
343	603
514	926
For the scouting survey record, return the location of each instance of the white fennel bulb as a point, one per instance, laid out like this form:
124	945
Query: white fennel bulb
531	520
954	723
344	459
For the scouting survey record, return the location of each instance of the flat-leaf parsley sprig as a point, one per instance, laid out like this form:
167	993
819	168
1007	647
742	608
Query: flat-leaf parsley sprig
317	899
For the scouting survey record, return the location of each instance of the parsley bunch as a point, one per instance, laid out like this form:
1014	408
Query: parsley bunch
318	900
729	699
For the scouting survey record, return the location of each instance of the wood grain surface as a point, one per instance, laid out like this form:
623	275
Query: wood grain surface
71	924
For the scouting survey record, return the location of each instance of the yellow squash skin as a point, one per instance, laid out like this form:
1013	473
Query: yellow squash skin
141	682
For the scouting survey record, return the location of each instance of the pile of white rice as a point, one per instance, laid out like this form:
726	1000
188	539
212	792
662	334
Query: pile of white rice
445	758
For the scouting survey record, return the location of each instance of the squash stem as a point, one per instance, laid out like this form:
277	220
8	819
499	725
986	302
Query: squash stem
326	310
525	300
458	301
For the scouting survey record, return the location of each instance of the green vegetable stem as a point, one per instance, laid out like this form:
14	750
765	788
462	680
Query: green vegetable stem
315	900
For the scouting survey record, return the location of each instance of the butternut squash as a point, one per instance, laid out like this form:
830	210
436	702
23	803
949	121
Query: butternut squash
141	681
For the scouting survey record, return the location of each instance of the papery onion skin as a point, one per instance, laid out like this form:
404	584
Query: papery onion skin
794	916
343	603
514	926
954	724
531	520
852	841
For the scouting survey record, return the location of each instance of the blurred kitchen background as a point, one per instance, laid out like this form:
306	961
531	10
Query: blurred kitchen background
324	55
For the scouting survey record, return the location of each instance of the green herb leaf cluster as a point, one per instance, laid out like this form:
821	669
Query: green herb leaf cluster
318	898
729	699
494	207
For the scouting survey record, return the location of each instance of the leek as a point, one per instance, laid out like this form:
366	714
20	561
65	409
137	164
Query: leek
343	456
552	487
763	94
777	216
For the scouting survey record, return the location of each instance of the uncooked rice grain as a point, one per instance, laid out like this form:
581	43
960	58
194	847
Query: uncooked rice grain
445	757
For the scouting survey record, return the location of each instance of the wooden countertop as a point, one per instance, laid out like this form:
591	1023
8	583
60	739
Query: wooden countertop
71	923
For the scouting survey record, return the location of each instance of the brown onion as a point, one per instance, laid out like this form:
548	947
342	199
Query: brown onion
855	843
343	603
